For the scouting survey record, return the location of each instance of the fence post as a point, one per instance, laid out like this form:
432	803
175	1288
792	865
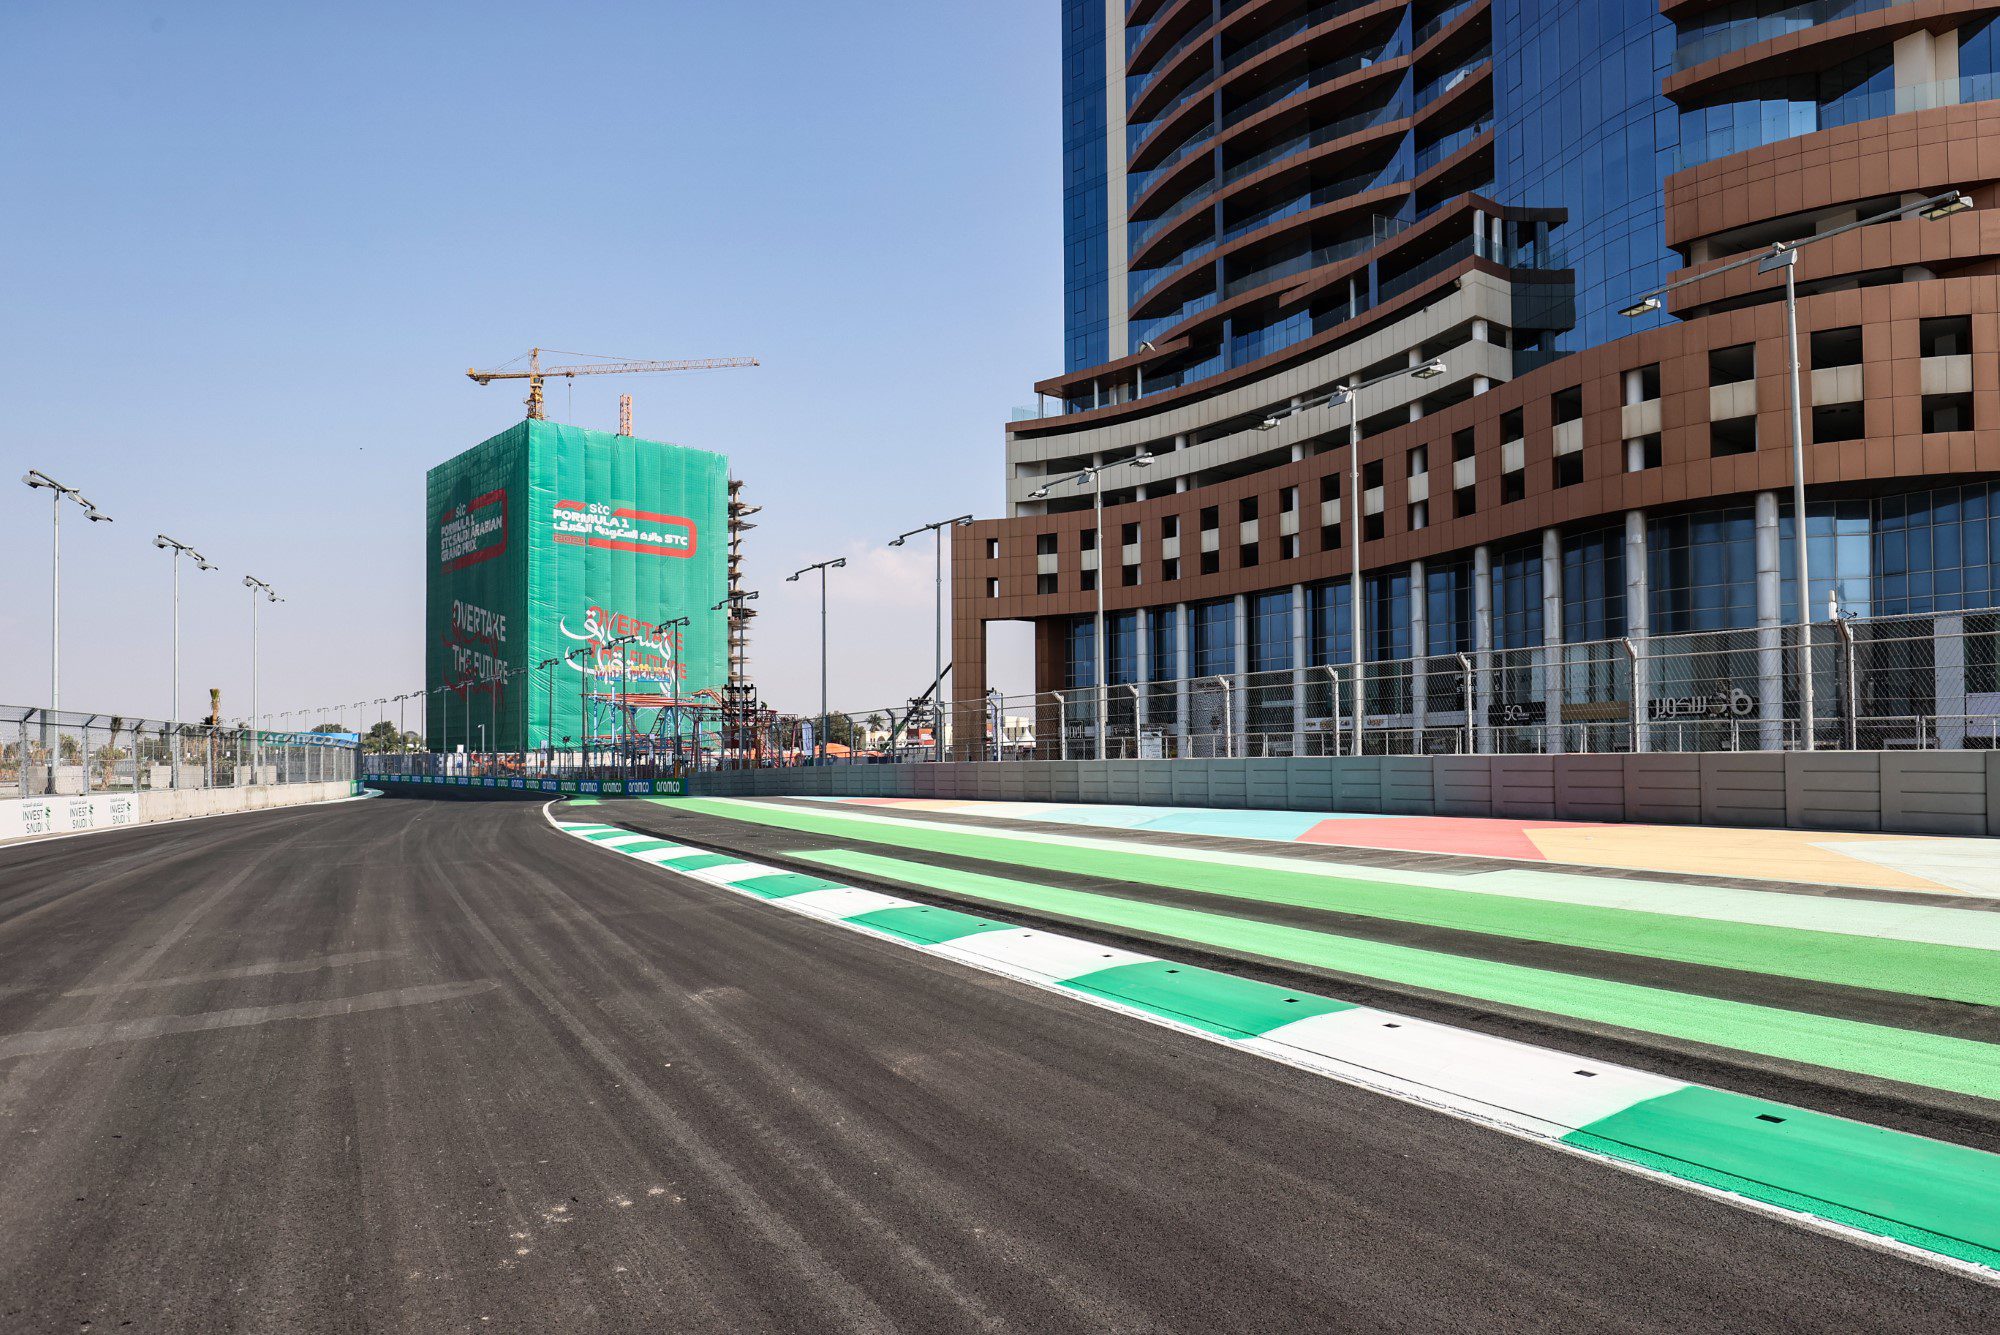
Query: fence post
1466	685
1850	683
1228	718
1640	739
1062	722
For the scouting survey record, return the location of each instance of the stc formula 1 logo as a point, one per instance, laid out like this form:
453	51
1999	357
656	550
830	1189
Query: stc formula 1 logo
592	524
473	532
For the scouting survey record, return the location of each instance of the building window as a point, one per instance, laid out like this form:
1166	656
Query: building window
1045	584
1732	400
1246	555
1288	546
1642	453
1129	535
1738	435
1593	585
1947	412
1088	581
1702	571
1288	500
993	549
1945	336
1045	544
1088	540
1212	635
1517	598
1246	509
1419	516
992	588
1568	470
1513	487
1170	569
1129	575
1211	563
1448	607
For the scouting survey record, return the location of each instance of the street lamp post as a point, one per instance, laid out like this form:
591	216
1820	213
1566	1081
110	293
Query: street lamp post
1094	474
819	738
937	529
256	586
1350	394
40	481
1785	255
179	549
548	667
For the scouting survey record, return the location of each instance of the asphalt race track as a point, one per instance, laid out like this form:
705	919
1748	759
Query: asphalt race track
426	1066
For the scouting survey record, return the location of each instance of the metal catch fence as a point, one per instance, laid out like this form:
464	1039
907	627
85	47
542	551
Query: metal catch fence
1928	682
64	754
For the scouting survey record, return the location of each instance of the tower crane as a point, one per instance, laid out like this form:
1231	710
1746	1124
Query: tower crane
535	373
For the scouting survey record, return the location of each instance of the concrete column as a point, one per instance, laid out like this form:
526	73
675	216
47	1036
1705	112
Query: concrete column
1479	235
1298	669
1552	638
1770	619
1948	689
1183	657
1240	692
1142	702
1638	621
1482	645
1420	645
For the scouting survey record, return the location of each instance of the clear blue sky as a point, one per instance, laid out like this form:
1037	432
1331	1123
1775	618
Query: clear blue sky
251	249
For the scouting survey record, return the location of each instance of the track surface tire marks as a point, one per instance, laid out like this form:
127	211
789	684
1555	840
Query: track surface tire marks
677	1108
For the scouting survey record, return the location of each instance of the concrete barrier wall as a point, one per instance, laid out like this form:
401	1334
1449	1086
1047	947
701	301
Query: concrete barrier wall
39	817
1896	792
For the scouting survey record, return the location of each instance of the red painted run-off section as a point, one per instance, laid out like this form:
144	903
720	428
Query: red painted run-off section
1465	834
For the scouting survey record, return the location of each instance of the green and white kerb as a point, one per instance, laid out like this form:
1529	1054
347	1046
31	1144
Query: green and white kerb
1938	1200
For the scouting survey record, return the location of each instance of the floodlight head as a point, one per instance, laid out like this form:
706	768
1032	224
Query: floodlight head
897	542
1268	424
201	563
1644	306
1944	208
95	515
1430	370
791	579
1038	493
160	541
1142	461
840	563
962	520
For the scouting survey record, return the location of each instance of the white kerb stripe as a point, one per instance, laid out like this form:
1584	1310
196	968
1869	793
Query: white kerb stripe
845	902
1517	1083
1038	954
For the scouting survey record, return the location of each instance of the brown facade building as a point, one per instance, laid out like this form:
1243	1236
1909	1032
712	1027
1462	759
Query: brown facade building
1456	210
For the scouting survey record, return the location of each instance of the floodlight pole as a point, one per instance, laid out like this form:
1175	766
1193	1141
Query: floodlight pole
1785	255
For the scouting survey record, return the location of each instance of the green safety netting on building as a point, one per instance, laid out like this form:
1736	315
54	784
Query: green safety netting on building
551	540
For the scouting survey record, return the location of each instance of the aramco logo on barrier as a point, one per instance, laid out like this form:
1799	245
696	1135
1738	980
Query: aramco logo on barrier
590	524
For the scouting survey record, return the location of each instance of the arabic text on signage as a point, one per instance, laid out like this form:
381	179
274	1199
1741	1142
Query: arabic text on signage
1724	703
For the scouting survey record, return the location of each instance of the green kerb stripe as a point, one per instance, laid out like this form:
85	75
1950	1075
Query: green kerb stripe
1942	1197
1218	1002
1935	1060
784	884
1954	973
696	861
924	924
648	845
